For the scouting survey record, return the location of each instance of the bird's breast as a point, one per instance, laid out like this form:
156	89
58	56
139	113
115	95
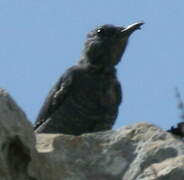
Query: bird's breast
93	93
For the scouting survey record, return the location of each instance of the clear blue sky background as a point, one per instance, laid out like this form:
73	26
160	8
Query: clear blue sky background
39	39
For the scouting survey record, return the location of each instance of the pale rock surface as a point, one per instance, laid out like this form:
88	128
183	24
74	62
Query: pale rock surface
17	141
138	152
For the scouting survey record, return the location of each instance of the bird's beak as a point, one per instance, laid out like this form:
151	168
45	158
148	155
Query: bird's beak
131	28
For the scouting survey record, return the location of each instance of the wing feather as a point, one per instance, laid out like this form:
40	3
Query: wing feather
54	99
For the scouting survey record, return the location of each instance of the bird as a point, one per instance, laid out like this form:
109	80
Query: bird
177	131
86	98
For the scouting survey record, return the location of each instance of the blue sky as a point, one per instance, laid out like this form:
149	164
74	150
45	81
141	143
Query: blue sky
40	39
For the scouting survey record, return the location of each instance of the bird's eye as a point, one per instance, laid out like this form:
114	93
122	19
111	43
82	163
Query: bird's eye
101	32
104	32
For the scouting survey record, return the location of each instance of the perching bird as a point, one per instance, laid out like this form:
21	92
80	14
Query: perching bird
178	131
87	96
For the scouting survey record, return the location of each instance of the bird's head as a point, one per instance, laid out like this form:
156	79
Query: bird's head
106	44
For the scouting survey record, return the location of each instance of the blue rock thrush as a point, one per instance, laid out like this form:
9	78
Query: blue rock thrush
87	96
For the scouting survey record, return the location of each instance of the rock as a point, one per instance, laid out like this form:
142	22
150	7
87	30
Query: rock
137	152
17	140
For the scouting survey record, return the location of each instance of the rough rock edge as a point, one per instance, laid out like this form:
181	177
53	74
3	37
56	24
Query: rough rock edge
137	152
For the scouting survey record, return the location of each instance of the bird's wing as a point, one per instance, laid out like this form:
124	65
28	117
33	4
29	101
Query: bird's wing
55	98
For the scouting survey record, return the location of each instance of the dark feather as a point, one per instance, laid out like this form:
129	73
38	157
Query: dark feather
54	99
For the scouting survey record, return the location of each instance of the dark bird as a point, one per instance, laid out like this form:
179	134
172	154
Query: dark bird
178	131
87	96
